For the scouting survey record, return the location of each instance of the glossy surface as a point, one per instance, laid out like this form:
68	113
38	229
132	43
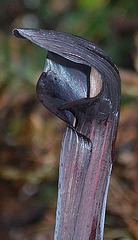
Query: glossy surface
62	82
65	88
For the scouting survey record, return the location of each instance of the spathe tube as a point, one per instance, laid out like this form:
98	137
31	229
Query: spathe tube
81	85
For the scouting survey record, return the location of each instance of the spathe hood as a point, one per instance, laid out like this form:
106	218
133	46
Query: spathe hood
72	64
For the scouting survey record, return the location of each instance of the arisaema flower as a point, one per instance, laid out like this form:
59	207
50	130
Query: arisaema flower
81	85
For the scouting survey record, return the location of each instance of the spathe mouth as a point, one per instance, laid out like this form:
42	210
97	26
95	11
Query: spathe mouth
67	84
62	82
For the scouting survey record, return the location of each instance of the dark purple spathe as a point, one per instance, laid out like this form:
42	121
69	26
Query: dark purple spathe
73	66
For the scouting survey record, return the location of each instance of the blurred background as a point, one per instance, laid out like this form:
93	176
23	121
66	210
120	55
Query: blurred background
30	136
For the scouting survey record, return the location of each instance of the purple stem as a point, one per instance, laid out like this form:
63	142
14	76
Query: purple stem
85	169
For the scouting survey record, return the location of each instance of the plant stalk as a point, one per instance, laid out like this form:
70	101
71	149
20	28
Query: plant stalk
85	169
